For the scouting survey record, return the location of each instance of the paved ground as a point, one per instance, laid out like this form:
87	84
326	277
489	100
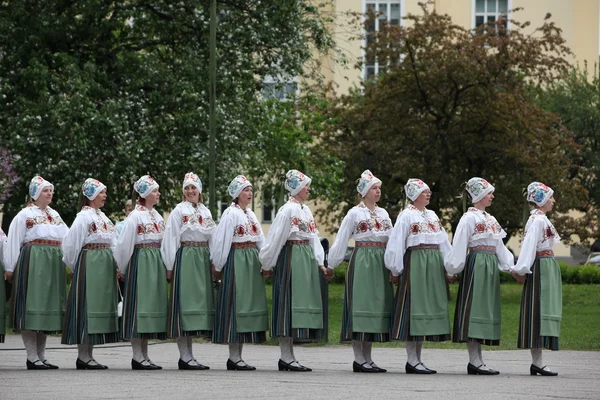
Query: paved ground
332	377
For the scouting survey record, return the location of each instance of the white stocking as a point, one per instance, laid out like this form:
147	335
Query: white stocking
411	353
367	349
83	353
145	350
41	345
359	357
472	348
184	351
536	357
189	346
286	346
136	346
235	352
30	342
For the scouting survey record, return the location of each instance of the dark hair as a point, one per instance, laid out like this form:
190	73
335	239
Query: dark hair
140	200
359	197
237	200
84	201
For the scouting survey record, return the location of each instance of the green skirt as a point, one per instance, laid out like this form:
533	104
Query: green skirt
145	303
421	306
241	309
297	305
91	316
477	317
39	290
191	305
368	297
541	306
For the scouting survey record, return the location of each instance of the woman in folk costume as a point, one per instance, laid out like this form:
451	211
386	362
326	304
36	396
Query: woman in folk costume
241	309
33	253
416	250
368	294
294	250
91	317
185	252
541	301
2	289
477	319
145	302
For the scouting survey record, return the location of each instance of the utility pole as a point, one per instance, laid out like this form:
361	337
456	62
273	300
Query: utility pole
212	120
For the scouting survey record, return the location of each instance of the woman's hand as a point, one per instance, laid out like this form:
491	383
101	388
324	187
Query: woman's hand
8	276
216	274
327	272
394	279
265	273
169	275
120	276
519	278
451	278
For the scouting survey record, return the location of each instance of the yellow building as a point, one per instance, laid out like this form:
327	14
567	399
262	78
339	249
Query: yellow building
578	19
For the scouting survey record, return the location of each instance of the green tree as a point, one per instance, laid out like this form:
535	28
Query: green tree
576	100
453	104
115	90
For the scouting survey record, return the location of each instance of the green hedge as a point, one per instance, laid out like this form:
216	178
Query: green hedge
581	274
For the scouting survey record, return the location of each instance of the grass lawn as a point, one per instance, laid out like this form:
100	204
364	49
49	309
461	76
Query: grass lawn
580	329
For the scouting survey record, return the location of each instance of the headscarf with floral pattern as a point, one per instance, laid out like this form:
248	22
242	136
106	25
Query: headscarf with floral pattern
414	187
91	188
478	188
236	186
539	193
145	185
36	186
366	181
192	179
295	181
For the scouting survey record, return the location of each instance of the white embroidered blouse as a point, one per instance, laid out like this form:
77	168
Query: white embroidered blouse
477	228
186	223
2	245
142	226
32	223
236	226
90	226
540	235
414	227
294	221
360	224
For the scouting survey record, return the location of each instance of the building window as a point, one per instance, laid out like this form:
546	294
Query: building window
386	11
279	88
489	12
272	197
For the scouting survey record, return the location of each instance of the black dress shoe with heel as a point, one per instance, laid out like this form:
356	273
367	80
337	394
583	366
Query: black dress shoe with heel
283	366
37	364
50	366
186	365
235	366
533	370
136	365
412	369
79	364
379	369
473	370
356	367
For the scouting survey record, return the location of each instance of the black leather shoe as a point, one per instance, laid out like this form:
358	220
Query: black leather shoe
186	365
533	370
141	366
379	369
283	366
79	364
356	367
235	366
473	370
37	364
50	366
410	369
